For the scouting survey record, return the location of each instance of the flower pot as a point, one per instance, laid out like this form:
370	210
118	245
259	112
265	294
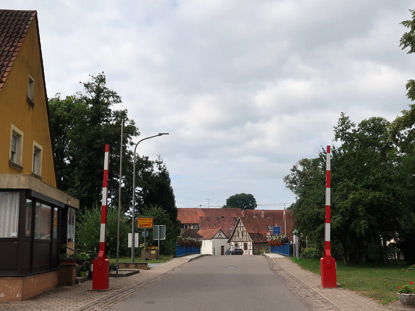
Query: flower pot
407	299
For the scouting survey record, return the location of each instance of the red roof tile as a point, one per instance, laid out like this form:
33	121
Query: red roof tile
188	215
192	215
13	28
208	234
191	233
227	224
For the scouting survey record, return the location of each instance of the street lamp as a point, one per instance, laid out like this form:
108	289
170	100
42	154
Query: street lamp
133	209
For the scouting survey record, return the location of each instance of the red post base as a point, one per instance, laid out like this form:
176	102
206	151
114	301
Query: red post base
101	274
328	272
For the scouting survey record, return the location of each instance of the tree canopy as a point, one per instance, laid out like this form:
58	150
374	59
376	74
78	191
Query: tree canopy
242	201
81	125
372	177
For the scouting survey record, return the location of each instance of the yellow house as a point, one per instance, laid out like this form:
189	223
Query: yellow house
36	219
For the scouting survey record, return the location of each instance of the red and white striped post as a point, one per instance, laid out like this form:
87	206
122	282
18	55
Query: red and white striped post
328	263
101	265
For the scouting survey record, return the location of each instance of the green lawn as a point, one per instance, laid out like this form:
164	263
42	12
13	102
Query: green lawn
377	281
162	259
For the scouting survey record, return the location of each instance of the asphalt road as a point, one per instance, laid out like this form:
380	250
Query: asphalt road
216	283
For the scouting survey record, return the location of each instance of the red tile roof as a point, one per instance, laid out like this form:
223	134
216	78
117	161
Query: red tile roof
188	215
226	218
13	28
191	233
192	215
227	224
208	234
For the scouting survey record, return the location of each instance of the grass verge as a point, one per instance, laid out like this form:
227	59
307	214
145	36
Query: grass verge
374	280
162	259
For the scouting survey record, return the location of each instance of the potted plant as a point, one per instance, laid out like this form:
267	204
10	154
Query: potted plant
406	294
68	259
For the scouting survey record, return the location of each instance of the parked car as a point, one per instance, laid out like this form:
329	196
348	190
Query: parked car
234	251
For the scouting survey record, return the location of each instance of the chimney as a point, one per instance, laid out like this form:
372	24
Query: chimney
243	213
263	214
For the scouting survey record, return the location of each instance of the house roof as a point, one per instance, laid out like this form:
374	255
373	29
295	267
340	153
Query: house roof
259	228
192	215
13	29
227	224
191	233
209	234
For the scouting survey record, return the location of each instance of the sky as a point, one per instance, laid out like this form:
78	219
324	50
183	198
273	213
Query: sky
245	89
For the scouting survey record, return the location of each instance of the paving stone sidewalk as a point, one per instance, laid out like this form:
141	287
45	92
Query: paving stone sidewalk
307	286
82	297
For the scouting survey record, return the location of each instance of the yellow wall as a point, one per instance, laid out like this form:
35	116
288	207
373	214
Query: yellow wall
32	120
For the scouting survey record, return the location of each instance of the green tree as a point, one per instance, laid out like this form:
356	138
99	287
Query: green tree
88	231
154	180
242	201
81	125
306	180
161	217
363	190
402	134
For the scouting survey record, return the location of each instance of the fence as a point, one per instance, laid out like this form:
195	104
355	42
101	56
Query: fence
186	250
282	250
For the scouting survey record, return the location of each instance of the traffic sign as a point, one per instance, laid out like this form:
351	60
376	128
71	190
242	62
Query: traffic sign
276	230
156	229
145	222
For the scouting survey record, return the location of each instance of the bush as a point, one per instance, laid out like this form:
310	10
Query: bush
310	253
88	231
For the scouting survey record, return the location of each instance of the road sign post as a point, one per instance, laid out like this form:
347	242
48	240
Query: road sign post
159	233
145	223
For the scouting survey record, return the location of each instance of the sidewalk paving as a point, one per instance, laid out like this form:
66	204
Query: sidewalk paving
306	285
82	297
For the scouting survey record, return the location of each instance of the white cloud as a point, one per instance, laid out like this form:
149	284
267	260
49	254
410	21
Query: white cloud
245	88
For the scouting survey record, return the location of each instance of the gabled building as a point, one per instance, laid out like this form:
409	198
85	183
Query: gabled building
37	221
252	233
214	242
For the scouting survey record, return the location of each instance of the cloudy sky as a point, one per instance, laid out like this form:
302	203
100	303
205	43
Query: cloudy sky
245	88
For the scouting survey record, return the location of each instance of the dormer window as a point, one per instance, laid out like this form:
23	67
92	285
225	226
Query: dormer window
31	91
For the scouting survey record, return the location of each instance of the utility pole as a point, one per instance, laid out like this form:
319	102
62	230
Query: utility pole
119	194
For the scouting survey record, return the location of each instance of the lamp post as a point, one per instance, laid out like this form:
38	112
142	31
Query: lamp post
133	208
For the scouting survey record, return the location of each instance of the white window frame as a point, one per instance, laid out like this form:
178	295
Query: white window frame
9	214
31	90
71	224
37	159
16	154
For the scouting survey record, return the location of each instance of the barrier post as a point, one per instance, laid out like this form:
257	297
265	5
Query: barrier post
328	263
101	265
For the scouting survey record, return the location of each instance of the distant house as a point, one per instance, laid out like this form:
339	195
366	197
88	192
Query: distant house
214	242
209	218
37	221
251	234
248	229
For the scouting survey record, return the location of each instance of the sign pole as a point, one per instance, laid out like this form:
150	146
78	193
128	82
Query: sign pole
158	242
328	263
